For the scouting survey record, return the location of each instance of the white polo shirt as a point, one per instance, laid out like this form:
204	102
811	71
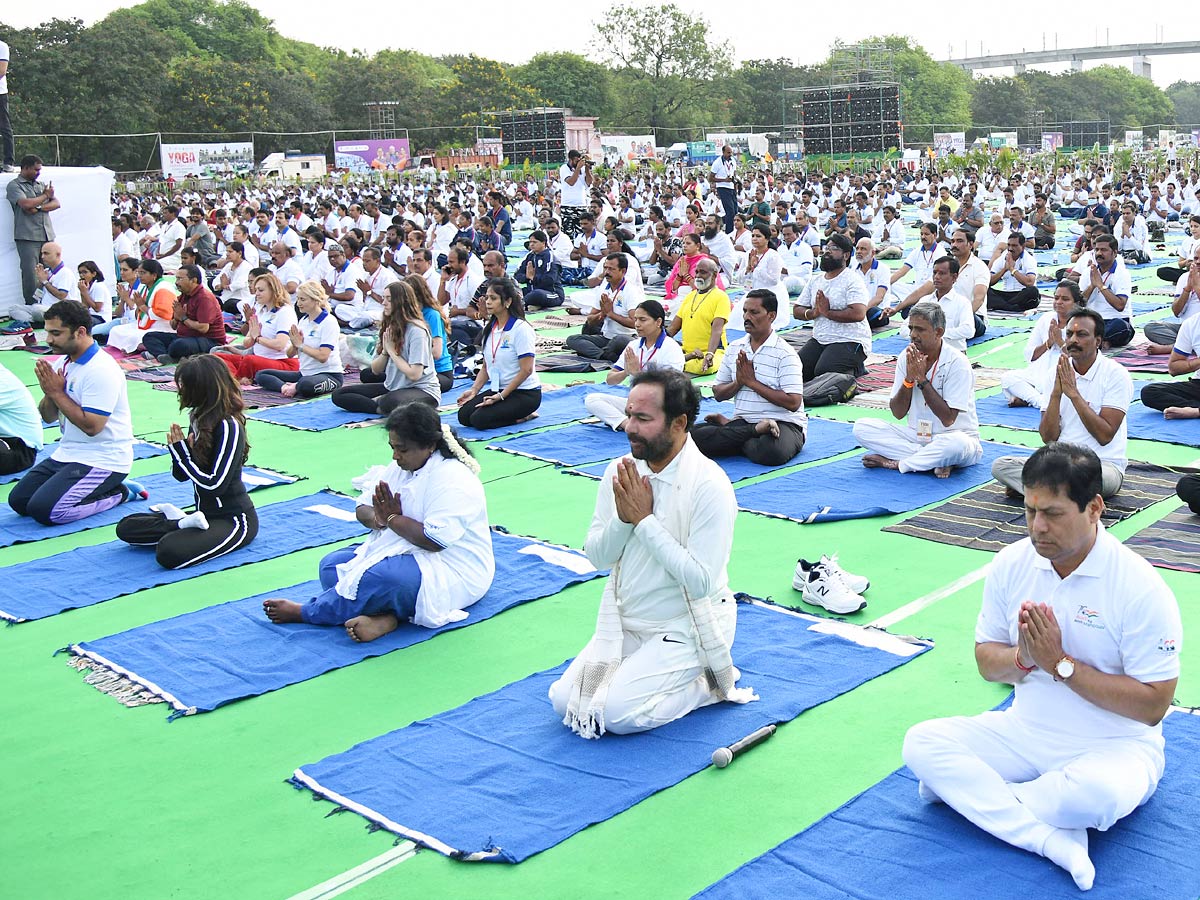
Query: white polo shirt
874	278
346	279
974	273
960	321
273	323
97	384
954	382
665	353
503	351
1187	342
323	331
1116	614
168	236
797	259
1117	280
1106	384
1025	264
921	262
777	366
63	278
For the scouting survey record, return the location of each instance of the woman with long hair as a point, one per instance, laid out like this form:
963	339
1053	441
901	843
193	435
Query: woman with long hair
764	268
436	319
210	455
93	292
429	551
268	324
513	390
314	342
402	370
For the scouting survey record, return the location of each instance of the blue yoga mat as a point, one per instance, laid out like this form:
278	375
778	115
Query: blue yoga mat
895	345
888	843
1141	307
844	489
205	659
311	415
994	410
558	408
162	486
91	575
141	450
1149	425
825	438
501	778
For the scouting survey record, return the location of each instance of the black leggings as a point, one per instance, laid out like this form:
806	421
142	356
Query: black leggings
15	455
496	415
1162	394
375	398
178	548
306	385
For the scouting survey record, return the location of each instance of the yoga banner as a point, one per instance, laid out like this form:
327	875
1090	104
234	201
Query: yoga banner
947	142
1052	140
391	155
1133	138
206	160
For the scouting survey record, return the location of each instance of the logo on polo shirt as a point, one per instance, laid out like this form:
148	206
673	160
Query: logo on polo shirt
1089	617
1168	646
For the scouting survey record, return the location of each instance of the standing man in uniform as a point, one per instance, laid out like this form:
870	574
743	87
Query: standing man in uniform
723	171
32	202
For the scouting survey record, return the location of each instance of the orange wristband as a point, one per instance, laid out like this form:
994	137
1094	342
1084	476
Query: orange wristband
909	384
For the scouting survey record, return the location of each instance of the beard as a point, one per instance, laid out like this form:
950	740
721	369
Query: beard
829	264
652	448
710	233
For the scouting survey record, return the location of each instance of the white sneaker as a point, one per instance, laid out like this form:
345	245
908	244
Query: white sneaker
856	583
826	589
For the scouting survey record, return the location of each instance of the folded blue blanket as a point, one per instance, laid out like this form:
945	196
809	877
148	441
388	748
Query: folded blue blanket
994	410
501	778
162	487
204	659
887	842
843	489
91	575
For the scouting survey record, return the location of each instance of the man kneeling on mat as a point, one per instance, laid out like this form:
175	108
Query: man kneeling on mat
429	553
1089	635
664	524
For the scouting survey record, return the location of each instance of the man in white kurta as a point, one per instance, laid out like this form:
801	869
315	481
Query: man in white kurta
934	391
1089	635
664	524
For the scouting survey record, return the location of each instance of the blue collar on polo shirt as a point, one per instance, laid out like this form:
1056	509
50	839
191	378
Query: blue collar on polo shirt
321	318
87	355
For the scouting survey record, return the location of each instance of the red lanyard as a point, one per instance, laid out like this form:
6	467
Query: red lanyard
644	362
497	337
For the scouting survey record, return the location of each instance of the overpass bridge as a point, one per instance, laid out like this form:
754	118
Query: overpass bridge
1139	54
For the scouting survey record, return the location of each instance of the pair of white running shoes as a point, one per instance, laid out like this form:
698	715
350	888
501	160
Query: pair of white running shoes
828	585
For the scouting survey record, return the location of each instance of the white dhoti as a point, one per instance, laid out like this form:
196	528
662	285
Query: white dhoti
359	316
660	678
608	408
1024	384
1031	790
898	442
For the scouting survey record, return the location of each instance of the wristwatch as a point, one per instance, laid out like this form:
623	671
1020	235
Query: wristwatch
1064	669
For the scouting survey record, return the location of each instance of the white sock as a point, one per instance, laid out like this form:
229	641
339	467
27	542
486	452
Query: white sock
170	510
1068	848
926	794
194	520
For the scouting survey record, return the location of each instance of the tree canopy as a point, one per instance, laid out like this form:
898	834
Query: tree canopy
191	67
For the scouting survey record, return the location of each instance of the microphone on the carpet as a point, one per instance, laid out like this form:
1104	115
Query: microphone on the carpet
723	756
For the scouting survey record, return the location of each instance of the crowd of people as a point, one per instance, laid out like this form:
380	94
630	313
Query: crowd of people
258	291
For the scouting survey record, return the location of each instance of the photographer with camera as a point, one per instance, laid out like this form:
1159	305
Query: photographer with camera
575	182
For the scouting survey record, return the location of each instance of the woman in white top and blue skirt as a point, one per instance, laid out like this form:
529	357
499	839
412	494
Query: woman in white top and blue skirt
513	390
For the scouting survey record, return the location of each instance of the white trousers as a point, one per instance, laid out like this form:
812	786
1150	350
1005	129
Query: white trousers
1020	383
659	681
357	316
950	448
608	409
1022	786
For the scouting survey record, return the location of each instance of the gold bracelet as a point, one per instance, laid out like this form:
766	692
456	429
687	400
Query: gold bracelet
388	524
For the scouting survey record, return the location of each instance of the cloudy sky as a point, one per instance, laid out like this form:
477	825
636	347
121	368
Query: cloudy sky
514	33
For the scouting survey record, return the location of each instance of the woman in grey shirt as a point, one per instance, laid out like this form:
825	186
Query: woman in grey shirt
403	368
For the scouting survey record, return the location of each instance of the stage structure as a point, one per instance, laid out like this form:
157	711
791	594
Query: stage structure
545	134
381	121
859	111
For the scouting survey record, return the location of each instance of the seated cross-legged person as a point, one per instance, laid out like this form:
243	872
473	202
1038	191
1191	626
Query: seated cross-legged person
268	323
198	323
1086	404
763	375
701	317
960	321
1088	635
1162	333
652	349
1179	400
210	455
428	556
836	303
514	391
402	370
609	328
1028	386
1014	279
314	341
663	523
86	392
934	390
1106	288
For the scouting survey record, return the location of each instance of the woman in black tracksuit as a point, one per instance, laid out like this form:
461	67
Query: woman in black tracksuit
211	457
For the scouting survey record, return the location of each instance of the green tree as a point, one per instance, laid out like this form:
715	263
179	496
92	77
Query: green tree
1186	97
214	96
757	89
666	65
570	80
1001	102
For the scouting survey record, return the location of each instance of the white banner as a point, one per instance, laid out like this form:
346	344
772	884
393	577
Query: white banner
206	160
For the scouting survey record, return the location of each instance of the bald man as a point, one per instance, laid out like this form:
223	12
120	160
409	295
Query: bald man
57	280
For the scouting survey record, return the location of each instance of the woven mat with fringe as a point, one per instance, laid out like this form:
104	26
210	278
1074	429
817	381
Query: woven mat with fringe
1170	543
